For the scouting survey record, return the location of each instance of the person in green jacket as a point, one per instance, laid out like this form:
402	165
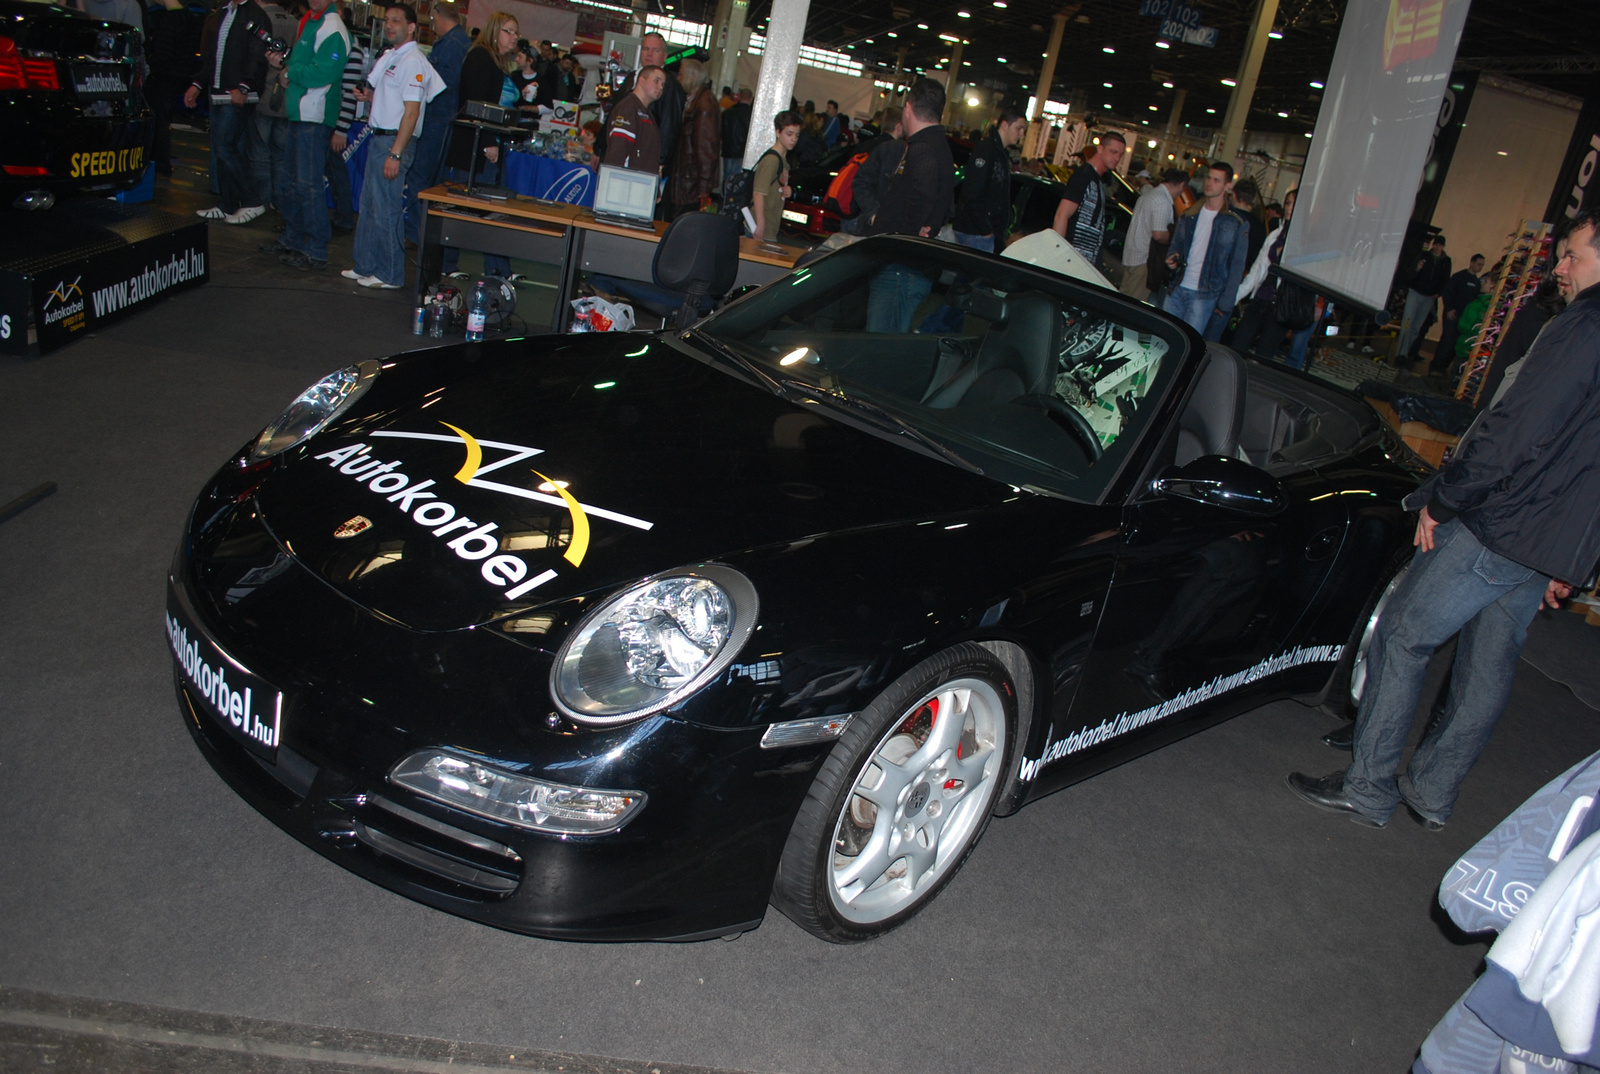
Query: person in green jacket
1471	318
311	77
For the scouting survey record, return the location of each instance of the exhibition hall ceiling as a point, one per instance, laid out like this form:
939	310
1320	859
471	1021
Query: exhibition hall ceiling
1108	41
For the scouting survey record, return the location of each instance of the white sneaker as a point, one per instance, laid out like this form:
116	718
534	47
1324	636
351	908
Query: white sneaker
373	281
352	274
214	213
244	216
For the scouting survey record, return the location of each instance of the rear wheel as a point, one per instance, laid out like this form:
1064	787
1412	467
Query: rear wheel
903	798
1343	696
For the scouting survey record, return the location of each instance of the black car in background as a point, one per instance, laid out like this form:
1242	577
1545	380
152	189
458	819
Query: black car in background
73	119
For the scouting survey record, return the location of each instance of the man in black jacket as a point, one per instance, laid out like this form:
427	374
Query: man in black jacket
983	208
1507	526
1428	278
917	203
233	62
735	132
1461	289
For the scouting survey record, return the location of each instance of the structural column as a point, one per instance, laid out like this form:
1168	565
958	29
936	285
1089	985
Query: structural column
786	30
1047	74
1249	71
1173	119
719	41
734	40
950	79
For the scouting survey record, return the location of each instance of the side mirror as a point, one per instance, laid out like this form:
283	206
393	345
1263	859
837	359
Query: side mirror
1219	481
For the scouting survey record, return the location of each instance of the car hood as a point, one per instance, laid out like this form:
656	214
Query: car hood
473	482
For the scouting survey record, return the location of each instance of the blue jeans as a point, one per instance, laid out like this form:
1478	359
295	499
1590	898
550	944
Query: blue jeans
1459	586
976	242
1417	309
1193	307
380	234
731	166
231	127
304	204
424	170
893	297
269	153
450	257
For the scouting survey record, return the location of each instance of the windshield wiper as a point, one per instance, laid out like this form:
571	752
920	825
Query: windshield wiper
883	418
722	350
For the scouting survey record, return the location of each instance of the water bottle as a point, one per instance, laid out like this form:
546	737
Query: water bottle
477	312
438	317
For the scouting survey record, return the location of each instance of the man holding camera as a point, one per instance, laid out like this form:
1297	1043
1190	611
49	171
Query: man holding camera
233	60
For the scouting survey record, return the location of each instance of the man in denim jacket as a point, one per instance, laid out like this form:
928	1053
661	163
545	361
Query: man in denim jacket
1207	253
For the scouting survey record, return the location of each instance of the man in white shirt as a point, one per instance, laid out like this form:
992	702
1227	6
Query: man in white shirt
401	82
1152	219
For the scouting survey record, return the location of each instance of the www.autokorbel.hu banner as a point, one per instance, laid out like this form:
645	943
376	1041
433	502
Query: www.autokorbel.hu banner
72	299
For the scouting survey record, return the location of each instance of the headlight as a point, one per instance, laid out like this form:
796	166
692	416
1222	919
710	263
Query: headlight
315	407
492	792
648	648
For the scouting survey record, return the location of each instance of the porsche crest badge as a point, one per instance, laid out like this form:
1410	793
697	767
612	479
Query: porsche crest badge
359	524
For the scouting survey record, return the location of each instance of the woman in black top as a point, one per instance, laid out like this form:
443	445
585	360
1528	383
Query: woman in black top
484	77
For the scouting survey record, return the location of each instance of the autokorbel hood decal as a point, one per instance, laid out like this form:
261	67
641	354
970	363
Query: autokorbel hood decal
424	501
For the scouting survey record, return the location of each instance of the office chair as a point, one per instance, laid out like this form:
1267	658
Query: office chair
696	263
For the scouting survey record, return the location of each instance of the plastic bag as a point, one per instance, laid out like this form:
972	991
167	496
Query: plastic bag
594	314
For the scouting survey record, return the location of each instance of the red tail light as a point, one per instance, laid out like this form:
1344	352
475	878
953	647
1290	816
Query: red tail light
19	72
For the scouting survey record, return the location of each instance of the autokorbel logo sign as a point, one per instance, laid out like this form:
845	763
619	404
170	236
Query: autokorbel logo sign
64	301
423	502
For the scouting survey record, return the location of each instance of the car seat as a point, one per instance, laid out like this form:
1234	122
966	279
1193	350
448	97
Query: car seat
1211	421
1018	359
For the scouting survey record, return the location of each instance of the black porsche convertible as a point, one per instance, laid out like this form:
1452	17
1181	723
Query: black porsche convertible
630	636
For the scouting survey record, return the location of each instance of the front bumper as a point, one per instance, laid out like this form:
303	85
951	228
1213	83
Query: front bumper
359	694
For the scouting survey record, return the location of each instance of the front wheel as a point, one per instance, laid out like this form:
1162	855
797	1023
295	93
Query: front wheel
902	799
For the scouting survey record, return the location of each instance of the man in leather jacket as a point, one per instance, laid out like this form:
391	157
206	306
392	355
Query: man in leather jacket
1504	528
983	208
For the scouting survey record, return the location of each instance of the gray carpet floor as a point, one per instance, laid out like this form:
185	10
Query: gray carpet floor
1182	912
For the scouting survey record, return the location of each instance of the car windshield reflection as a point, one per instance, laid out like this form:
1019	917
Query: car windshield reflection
1031	377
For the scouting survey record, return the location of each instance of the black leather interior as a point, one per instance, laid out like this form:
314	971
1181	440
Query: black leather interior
1212	419
1017	358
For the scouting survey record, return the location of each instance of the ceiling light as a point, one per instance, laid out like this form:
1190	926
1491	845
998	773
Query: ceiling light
966	63
893	34
963	14
1107	85
949	37
1229	82
1000	59
1308	134
1108	50
1166	85
1283	115
922	26
1276	35
1163	44
1499	152
869	41
972	102
1316	85
1152	143
1000	3
1108	106
1211	111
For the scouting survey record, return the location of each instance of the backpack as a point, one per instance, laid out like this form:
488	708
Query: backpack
841	192
738	190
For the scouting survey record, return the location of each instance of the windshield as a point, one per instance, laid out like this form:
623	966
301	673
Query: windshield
1031	377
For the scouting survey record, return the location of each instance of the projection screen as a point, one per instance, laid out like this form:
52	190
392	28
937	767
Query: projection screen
1373	134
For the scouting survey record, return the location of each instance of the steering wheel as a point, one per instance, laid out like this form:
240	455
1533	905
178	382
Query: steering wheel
1070	420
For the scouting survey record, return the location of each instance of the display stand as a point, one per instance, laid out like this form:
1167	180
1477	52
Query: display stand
66	271
1521	272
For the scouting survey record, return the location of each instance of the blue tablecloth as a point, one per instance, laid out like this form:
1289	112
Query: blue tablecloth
552	180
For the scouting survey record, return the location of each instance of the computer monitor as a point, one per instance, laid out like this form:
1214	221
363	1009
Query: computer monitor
625	192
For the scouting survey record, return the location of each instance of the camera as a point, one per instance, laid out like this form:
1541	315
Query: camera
266	37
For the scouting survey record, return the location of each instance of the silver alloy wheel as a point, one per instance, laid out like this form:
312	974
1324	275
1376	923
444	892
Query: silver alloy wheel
918	801
1358	669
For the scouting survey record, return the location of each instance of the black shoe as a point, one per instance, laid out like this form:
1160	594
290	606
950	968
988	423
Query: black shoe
1341	738
273	247
1328	793
297	260
1427	822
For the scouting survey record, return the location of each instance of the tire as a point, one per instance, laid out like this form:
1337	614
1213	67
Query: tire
1343	696
901	801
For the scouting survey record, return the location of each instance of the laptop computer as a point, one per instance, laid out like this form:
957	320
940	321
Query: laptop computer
625	197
